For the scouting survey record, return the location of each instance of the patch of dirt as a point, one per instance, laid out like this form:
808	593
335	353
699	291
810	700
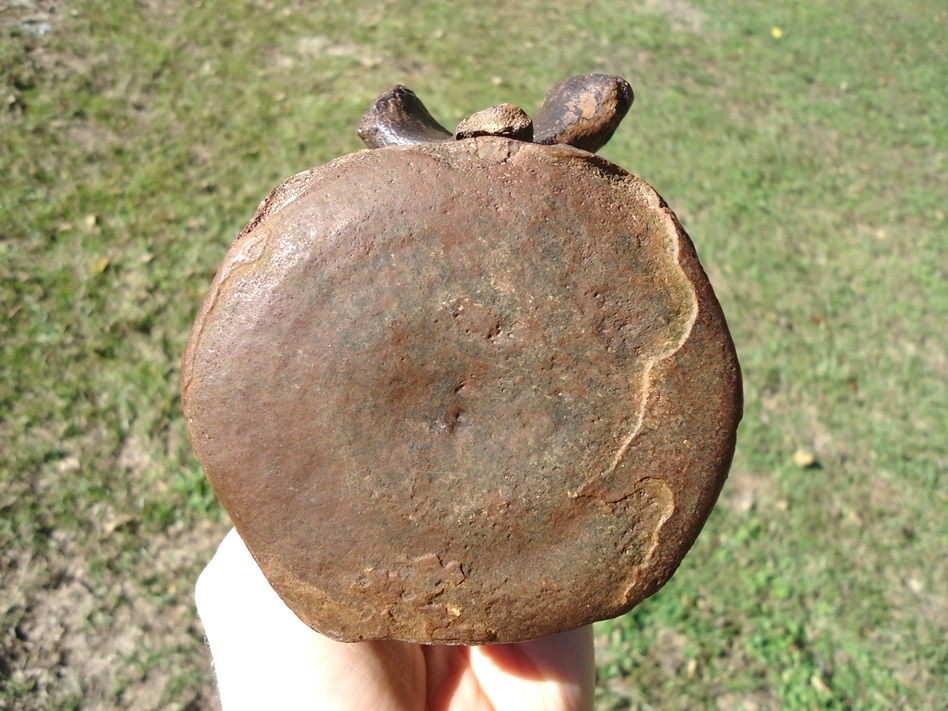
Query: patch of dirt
32	24
29	17
79	628
315	47
733	701
681	15
669	650
747	491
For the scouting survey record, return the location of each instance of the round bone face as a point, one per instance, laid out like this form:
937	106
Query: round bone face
463	392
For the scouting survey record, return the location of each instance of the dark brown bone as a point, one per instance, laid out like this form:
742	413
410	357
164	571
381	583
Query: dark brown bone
398	118
463	392
583	111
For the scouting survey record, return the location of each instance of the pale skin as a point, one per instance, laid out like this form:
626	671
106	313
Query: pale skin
265	657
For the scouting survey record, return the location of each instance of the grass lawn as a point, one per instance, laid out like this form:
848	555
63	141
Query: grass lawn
804	147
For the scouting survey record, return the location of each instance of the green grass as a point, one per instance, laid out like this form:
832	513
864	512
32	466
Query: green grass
136	140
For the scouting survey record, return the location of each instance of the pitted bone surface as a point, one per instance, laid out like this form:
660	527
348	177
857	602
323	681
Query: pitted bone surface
463	392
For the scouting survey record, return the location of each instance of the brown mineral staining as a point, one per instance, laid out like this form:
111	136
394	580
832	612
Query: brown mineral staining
463	391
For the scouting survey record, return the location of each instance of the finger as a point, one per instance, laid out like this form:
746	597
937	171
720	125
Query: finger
555	673
265	657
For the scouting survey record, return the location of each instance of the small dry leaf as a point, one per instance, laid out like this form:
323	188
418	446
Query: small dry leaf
90	222
817	682
68	465
100	265
116	523
804	458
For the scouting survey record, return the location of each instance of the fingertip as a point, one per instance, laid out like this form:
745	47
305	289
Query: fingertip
263	655
555	672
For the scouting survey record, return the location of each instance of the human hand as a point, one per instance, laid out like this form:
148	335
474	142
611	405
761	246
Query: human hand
265	658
